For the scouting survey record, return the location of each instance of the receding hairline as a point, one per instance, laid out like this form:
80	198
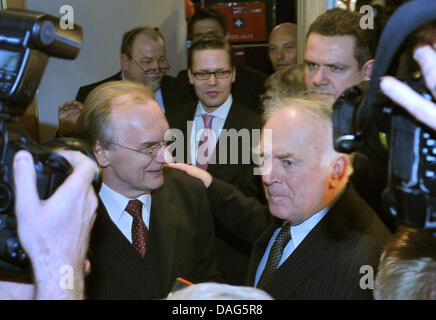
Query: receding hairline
285	25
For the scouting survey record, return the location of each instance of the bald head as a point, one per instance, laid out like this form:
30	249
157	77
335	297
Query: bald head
283	46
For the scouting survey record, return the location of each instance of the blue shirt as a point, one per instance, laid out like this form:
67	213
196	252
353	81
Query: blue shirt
298	233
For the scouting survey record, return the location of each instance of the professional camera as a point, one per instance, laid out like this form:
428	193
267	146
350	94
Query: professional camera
367	121
27	40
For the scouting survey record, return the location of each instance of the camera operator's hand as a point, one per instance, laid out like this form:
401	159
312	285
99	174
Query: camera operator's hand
417	105
55	232
68	113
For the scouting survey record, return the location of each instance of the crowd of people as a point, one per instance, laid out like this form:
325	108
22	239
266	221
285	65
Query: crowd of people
300	229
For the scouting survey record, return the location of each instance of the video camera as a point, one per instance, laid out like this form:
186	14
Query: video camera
27	40
365	120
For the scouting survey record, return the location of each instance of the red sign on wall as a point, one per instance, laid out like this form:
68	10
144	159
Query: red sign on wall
247	20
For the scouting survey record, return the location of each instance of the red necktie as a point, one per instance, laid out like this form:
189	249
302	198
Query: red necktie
207	139
139	229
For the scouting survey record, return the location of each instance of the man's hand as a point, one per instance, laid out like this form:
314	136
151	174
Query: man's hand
195	172
55	232
423	110
68	113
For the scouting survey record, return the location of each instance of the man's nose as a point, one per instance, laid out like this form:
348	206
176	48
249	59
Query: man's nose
320	78
270	174
212	80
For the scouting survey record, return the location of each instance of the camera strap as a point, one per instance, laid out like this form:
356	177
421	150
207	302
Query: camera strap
404	20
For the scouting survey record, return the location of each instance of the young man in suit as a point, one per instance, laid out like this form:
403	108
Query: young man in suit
148	231
248	84
211	71
322	232
143	59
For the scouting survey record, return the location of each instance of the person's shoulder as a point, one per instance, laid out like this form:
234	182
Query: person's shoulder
114	77
250	72
179	179
250	118
359	219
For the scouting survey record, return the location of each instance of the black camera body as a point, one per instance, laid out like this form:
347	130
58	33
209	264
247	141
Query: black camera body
393	136
27	40
365	120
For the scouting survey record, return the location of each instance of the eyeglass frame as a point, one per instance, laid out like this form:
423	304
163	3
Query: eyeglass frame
165	69
149	150
214	73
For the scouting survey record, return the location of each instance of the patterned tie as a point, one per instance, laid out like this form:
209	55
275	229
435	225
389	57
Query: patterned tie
207	140
275	255
139	229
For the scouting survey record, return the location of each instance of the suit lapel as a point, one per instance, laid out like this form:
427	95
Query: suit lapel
259	250
302	264
165	226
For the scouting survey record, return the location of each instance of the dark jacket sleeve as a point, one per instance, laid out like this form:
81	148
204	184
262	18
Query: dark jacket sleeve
244	216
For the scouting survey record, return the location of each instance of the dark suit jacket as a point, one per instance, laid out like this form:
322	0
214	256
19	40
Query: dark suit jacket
181	243
327	262
174	91
246	89
233	254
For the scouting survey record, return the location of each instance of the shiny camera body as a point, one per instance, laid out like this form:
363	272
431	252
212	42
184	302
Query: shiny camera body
27	40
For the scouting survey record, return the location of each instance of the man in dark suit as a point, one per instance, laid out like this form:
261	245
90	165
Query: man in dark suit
248	84
147	232
323	233
143	59
233	133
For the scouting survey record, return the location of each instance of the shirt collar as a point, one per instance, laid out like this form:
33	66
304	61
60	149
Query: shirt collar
221	112
300	231
116	203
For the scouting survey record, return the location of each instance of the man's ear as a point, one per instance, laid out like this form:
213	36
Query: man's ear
124	61
234	74
190	76
101	155
339	172
367	69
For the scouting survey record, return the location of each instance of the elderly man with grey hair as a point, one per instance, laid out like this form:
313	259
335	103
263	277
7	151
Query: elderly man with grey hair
322	232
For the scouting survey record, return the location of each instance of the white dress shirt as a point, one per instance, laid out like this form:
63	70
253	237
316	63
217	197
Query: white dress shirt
116	204
220	116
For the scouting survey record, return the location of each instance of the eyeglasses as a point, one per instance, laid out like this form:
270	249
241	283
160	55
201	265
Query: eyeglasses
150	151
219	74
163	64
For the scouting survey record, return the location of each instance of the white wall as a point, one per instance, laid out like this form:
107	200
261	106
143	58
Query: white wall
103	23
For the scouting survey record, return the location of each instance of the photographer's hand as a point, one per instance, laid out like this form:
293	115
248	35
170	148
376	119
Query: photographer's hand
422	109
55	232
68	113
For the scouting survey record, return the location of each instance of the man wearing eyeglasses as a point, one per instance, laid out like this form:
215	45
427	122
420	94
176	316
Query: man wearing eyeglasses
210	143
143	59
148	231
